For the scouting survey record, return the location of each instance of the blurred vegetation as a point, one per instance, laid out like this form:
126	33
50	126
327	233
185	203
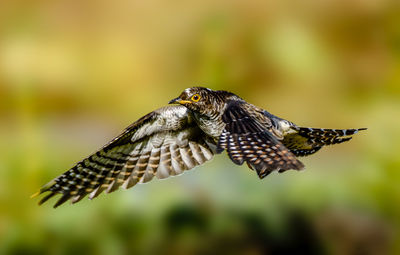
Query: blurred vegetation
75	73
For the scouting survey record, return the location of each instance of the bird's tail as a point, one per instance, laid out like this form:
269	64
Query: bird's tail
321	136
306	141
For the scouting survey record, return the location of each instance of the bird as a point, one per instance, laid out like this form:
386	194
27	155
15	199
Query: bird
190	131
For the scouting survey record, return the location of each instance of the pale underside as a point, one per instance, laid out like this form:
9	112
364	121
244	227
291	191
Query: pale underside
164	143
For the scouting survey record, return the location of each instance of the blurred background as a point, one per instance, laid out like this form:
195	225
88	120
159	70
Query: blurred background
73	74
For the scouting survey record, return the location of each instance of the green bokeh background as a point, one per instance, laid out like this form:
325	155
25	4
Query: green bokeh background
73	74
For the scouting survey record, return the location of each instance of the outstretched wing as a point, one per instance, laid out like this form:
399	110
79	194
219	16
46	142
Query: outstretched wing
163	143
303	141
247	138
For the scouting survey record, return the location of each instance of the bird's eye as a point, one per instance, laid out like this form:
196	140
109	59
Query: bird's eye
196	98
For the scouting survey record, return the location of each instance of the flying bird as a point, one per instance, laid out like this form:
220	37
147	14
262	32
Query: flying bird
200	123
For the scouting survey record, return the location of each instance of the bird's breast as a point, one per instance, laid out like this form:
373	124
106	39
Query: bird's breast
212	127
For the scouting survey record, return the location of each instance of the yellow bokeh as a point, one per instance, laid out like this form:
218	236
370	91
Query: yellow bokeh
73	74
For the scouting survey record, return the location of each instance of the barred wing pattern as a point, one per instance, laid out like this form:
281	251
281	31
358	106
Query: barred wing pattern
163	143
305	141
246	139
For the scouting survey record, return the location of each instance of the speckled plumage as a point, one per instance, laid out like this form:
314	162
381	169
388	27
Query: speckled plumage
176	138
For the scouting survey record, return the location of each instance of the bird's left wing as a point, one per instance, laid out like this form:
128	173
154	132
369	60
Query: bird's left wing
248	137
163	143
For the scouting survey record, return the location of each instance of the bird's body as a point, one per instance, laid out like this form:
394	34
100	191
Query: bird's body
176	138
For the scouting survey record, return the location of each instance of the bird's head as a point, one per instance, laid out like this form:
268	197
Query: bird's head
198	99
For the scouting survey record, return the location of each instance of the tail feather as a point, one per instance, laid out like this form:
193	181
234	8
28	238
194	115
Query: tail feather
306	141
305	152
323	137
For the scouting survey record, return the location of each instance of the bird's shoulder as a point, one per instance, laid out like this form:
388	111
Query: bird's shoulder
168	118
276	125
238	107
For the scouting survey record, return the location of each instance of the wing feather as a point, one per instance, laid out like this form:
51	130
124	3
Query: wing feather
248	139
163	143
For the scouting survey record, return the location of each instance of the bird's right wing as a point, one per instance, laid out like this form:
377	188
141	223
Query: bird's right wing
163	143
248	138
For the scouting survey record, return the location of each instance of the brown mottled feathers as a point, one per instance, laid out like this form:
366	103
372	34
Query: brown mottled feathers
247	140
163	143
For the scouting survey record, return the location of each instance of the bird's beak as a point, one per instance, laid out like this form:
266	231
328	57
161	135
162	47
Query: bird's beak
178	100
174	101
